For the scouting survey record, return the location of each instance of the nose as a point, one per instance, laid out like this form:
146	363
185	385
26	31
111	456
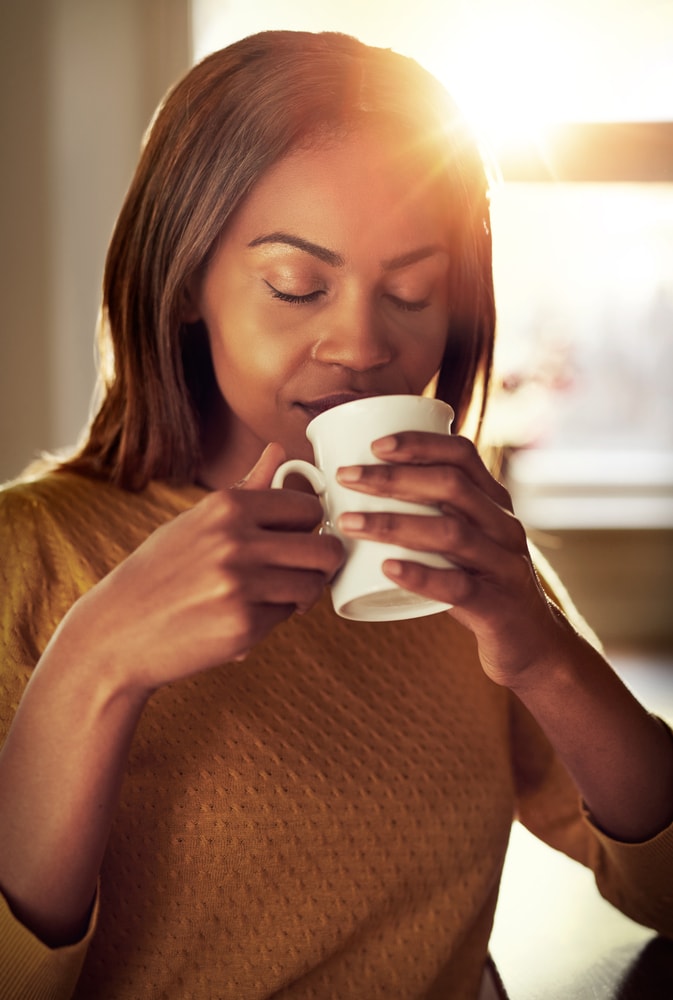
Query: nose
354	336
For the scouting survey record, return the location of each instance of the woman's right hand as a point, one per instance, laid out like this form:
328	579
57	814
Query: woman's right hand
204	588
201	590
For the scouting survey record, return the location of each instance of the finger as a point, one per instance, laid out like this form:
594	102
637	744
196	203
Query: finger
454	537
261	474
449	586
295	588
418	448
242	510
443	486
486	598
483	605
263	619
311	552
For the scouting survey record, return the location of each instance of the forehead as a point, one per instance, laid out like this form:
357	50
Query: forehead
365	187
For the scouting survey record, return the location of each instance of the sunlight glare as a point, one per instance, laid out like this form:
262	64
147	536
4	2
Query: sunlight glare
510	71
519	67
514	66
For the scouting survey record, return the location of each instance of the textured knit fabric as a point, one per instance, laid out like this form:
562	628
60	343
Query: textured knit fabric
327	819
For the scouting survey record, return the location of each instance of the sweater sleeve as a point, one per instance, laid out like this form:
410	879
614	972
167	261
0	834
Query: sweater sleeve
33	602
636	878
29	970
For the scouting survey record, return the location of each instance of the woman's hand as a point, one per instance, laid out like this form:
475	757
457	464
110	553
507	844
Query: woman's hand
200	590
493	588
620	757
207	586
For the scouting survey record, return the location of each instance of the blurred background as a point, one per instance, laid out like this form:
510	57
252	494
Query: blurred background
574	98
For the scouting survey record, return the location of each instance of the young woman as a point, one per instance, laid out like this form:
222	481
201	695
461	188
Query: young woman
211	786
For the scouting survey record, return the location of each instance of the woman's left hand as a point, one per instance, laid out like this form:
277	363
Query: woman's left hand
493	588
619	755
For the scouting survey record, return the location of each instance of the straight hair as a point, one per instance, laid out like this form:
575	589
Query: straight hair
230	118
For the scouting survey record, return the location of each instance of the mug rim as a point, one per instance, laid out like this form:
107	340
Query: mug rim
354	404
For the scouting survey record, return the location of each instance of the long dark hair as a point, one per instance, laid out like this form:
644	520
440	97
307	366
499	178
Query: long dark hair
231	117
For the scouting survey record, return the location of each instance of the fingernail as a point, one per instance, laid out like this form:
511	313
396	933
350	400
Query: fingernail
352	522
349	473
393	567
385	444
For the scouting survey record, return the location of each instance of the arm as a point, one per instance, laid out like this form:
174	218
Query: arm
620	757
60	773
199	591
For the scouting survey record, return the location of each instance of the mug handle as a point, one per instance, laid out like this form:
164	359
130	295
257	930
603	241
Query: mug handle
302	468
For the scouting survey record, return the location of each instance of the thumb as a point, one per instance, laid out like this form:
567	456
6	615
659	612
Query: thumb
261	474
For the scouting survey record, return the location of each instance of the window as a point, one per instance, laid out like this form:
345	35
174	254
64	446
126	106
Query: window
583	226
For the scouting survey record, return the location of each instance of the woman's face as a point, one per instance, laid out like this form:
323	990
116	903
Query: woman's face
330	283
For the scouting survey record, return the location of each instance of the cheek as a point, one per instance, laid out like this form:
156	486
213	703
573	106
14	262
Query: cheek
425	353
251	364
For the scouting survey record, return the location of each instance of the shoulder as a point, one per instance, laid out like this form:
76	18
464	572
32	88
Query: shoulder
24	515
40	571
38	511
60	523
44	507
40	489
60	533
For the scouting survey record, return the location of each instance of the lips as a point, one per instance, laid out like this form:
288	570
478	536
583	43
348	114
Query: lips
316	406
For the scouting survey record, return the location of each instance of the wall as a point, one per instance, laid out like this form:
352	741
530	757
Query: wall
79	81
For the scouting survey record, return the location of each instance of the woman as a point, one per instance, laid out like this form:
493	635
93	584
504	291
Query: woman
212	786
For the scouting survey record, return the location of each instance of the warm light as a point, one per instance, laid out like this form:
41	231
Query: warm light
518	66
509	71
514	66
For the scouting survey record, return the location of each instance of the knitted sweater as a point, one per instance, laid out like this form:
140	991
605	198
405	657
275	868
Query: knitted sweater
327	819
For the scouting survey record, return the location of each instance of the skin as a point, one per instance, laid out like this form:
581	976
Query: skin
620	756
306	306
367	313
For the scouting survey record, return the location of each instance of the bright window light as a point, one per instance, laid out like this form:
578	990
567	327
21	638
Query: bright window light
514	66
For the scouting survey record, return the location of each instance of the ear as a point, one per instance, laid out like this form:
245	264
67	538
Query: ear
189	302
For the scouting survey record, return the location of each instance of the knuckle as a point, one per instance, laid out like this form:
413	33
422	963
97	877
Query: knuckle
417	574
504	497
453	481
242	624
410	442
386	523
311	588
455	533
229	589
518	532
225	507
464	587
465	447
231	551
380	475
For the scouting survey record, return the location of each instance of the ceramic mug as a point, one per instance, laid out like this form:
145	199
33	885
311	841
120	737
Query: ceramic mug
343	436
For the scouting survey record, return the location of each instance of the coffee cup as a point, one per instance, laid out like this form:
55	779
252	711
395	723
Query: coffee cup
343	436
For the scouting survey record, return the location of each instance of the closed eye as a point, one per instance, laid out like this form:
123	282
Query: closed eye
407	306
294	299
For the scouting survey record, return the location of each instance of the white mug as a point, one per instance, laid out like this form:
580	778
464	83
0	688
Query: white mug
343	436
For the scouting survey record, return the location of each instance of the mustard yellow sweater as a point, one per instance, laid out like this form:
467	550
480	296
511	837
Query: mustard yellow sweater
327	819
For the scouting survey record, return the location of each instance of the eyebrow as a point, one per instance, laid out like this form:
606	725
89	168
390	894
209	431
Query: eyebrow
322	253
335	259
413	256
